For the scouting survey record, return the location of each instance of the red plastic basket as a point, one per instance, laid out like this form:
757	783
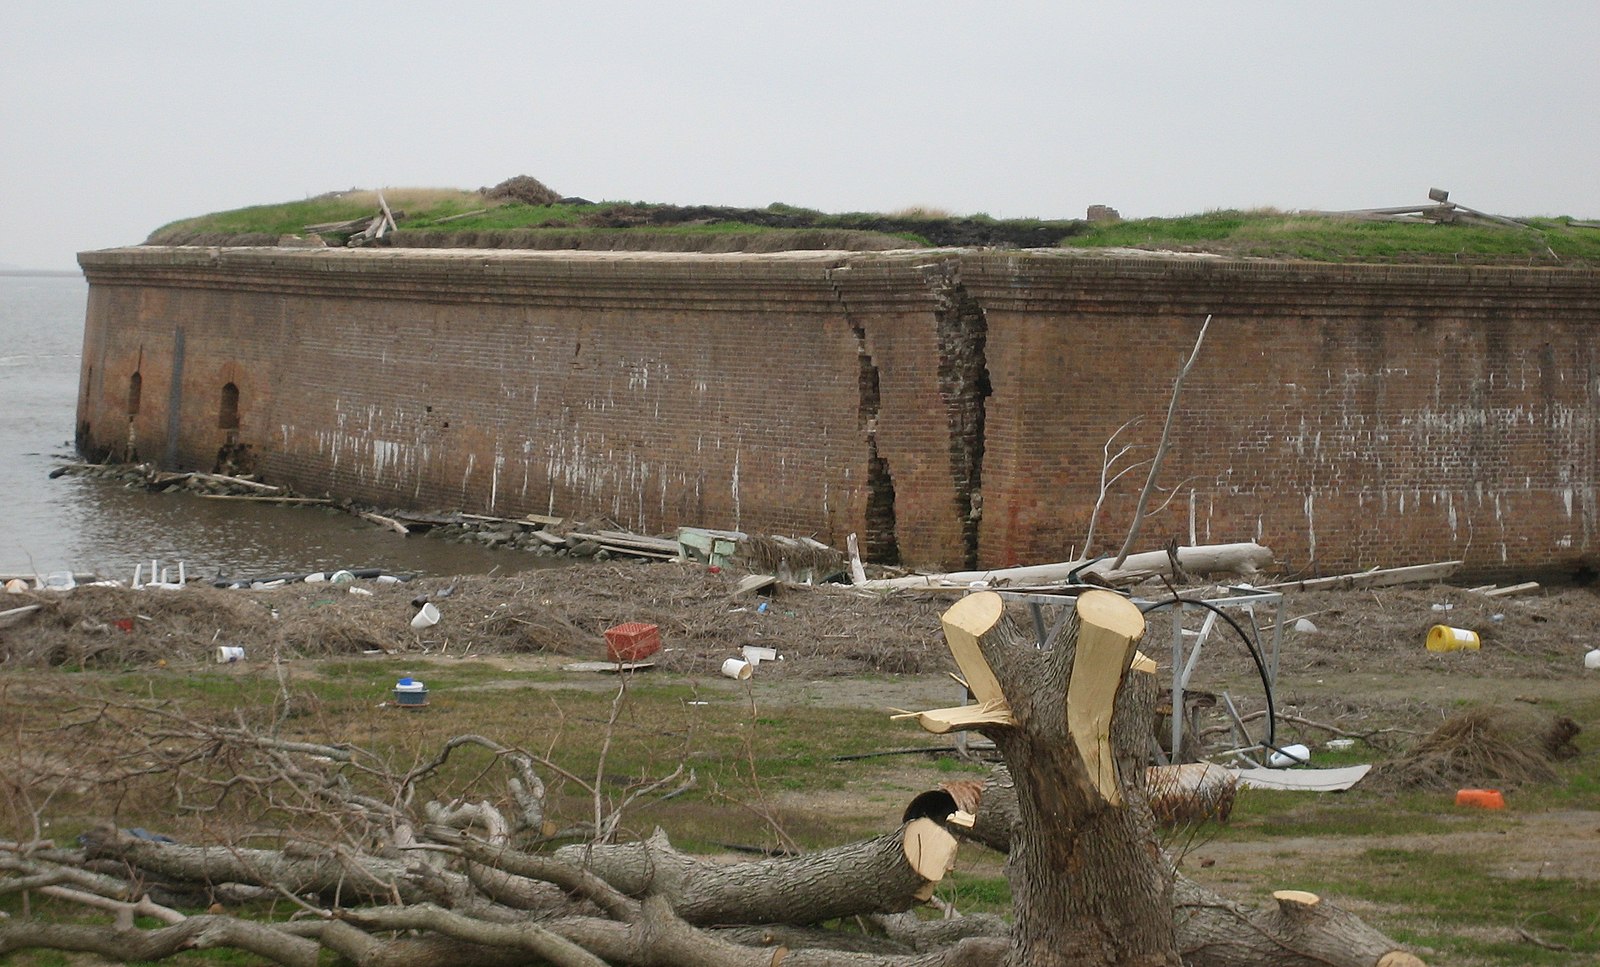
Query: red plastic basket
634	641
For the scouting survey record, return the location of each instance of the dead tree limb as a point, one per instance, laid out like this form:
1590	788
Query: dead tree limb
1161	450
873	876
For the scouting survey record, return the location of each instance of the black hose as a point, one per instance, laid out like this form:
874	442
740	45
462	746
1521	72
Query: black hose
1255	655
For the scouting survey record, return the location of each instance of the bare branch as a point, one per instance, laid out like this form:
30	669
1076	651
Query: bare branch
1161	450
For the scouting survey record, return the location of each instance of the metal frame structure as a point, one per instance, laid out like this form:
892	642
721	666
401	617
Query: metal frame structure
1184	660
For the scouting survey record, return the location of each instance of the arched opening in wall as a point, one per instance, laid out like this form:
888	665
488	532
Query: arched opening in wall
228	410
135	392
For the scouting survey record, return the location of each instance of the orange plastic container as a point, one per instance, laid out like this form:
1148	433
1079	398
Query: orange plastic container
1482	798
634	641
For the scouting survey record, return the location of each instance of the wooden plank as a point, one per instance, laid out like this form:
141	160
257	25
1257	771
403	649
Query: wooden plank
656	543
266	499
1527	587
751	583
1376	578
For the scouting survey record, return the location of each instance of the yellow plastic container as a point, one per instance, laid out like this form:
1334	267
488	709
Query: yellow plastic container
1446	638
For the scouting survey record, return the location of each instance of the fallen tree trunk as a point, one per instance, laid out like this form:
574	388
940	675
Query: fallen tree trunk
873	876
1211	930
1245	559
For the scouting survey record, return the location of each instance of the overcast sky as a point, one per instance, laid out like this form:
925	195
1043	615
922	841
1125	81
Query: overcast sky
117	117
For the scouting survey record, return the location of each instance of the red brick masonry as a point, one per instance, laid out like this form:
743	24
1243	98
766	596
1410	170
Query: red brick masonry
952	407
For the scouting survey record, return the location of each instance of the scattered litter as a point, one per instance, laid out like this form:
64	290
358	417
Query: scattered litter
341	577
1444	607
1305	627
1306	780
228	654
612	667
361	592
16	586
737	669
410	693
316	577
632	641
1481	798
1289	755
426	617
1592	659
1446	638
1339	745
756	654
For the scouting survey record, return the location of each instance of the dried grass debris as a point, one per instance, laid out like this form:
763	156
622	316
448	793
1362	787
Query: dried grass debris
1498	746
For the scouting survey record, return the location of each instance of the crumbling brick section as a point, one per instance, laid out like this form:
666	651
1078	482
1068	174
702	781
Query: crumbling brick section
964	385
882	546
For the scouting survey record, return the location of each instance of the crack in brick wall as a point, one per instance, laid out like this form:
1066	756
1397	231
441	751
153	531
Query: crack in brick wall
882	544
964	385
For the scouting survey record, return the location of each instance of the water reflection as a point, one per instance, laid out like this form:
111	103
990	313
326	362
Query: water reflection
118	527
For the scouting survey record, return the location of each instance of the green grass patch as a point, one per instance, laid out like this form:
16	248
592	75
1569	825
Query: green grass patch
1465	910
1271	234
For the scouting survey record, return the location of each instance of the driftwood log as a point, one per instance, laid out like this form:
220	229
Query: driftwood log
1245	559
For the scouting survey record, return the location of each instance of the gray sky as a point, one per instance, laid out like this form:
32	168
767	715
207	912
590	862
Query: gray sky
117	117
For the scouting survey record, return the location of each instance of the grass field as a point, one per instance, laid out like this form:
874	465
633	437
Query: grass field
1470	886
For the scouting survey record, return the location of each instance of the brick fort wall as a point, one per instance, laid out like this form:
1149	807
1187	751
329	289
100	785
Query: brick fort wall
952	407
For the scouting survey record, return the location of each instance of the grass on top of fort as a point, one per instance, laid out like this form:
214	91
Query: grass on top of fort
432	216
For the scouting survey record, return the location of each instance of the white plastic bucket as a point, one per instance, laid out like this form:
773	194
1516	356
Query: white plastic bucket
737	669
1289	755
227	654
425	618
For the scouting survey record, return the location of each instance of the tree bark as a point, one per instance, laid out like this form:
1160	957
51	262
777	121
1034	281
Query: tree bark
325	872
1213	931
872	876
1088	882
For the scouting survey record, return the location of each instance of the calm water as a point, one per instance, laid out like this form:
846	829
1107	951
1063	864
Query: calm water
100	526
